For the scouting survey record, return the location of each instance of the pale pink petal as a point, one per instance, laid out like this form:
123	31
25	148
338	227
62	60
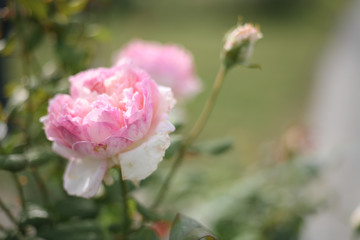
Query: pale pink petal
65	152
140	162
102	121
168	101
83	176
89	149
116	145
108	148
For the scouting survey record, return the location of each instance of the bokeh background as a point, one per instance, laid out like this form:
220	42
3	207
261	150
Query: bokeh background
256	190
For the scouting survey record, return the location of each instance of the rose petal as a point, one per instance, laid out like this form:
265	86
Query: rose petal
108	148
63	151
168	101
83	176
138	163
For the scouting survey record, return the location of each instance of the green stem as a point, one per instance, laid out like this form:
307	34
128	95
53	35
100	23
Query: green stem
200	123
8	213
42	187
164	187
20	192
192	135
127	218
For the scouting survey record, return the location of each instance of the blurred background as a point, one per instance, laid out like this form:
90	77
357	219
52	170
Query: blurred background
292	171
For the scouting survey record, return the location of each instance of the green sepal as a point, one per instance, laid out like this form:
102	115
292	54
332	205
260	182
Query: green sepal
143	234
174	146
214	147
185	228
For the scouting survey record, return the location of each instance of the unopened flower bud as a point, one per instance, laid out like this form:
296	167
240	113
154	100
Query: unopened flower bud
239	44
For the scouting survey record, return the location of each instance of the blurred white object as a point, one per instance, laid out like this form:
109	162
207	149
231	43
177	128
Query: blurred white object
335	125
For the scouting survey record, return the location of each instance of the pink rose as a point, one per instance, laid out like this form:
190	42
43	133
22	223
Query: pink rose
113	116
168	65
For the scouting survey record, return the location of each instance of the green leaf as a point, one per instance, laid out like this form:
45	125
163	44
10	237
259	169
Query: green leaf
7	46
76	207
73	57
185	228
39	156
36	216
199	233
147	213
36	7
174	146
75	230
98	32
71	7
253	66
76	6
214	147
33	35
144	234
13	162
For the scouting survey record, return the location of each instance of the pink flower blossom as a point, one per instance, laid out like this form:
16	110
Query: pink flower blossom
113	116
169	65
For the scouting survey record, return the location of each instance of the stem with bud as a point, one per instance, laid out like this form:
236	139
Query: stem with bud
193	134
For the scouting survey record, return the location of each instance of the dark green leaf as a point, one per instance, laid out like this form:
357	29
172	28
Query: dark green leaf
147	213
39	156
200	234
76	207
36	216
174	146
36	7
75	230
7	46
144	234
214	147
33	35
185	228
71	7
253	66
98	32
13	162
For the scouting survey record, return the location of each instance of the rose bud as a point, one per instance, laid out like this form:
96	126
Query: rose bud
239	44
113	117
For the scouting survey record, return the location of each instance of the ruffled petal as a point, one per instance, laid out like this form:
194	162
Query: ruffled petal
83	176
168	101
65	152
106	149
138	163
